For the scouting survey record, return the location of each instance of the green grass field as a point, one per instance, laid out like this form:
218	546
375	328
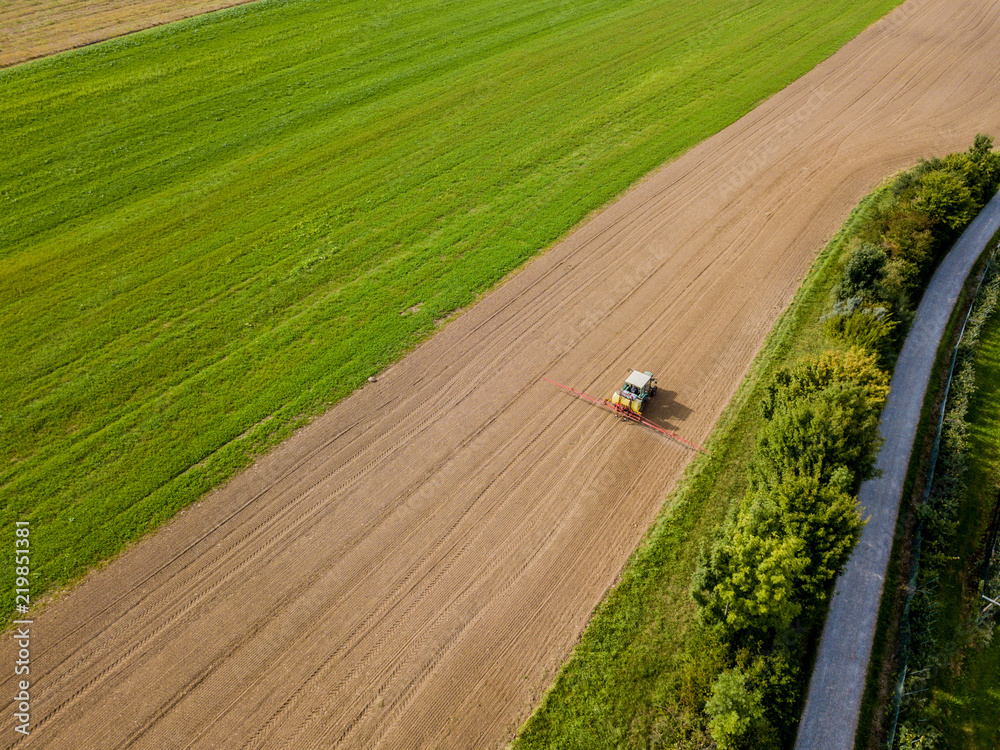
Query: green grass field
212	230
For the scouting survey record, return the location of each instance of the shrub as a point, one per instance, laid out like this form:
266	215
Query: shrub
736	715
756	702
868	328
779	678
913	738
706	655
863	274
906	184
902	284
792	384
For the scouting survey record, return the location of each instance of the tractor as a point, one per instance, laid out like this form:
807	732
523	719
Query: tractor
631	398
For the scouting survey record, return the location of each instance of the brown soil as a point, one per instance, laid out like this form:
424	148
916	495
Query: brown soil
37	28
411	569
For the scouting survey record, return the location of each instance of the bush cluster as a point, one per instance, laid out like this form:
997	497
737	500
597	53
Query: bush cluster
896	252
767	578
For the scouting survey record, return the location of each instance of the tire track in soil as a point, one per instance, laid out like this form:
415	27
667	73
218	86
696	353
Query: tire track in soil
411	569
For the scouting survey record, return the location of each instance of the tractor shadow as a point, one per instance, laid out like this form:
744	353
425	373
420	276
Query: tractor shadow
665	410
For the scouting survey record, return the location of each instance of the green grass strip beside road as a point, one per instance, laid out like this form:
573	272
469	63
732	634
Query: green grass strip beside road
213	230
958	704
966	699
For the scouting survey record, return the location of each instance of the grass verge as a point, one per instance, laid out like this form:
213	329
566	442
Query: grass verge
967	696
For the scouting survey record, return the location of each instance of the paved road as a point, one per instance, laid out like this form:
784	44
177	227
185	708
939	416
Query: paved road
830	719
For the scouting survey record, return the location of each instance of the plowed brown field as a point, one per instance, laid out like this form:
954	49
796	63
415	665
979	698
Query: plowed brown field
36	28
411	569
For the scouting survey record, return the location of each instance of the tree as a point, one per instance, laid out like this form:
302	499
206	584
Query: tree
798	523
736	715
982	169
946	198
779	558
908	238
793	384
757	598
863	274
824	517
829	429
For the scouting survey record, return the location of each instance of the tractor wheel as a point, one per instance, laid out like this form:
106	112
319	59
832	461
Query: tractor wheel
653	391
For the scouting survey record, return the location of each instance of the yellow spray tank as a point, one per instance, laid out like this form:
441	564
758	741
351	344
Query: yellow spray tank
639	386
